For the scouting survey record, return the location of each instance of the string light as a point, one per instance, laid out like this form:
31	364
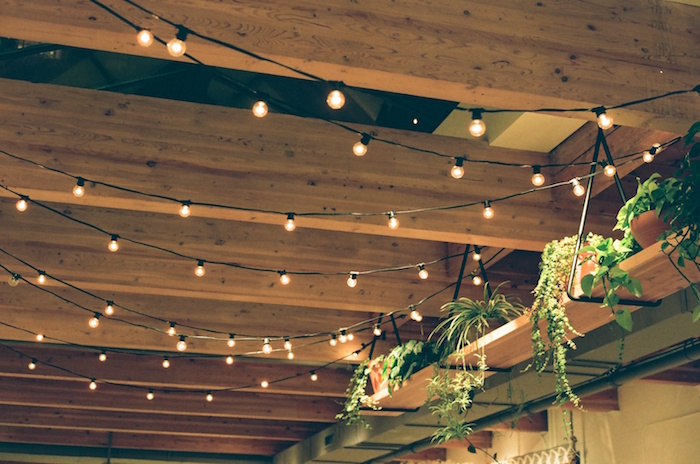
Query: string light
314	376
231	340
289	225
260	109
171	330
32	365
415	315
537	177
102	357
333	341
39	337
457	170
422	272
13	280
113	243
41	278
477	280
377	330
93	384
181	344
199	269
287	343
393	221
609	170
477	128
144	38
284	278
649	155
79	189
150	395
343	336
266	348
477	254
351	336
335	99
229	360
176	45
166	363
209	397
579	190
185	209
264	384
355	354
488	210
94	322
352	280
604	121
290	355
360	147
109	309
22	204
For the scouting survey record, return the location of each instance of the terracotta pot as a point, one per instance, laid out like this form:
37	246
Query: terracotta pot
647	227
375	377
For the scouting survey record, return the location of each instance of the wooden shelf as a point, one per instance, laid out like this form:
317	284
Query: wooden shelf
511	344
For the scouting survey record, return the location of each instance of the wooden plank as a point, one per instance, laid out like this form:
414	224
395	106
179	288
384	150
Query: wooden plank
604	401
688	374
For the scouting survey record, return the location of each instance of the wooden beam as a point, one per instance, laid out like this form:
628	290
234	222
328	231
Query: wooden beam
531	423
481	439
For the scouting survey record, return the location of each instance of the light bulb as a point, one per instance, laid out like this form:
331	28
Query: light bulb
415	315
166	363
109	309
393	221
79	189
176	47
415	121
537	177
351	336
32	365
343	337
477	254
648	157
267	348
144	38
284	278
477	128
22	205
355	354
93	384
289	225
287	344
604	121
352	280
185	210
113	243
209	397
422	272
260	109
39	337
41	278
457	170
231	340
95	321
14	280
182	344
314	376
609	170
336	99
290	355
333	341
150	395
579	190
171	330
102	357
360	147
488	211
477	280
199	269
229	360
377	330
264	384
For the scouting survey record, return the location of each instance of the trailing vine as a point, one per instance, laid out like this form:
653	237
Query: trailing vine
357	397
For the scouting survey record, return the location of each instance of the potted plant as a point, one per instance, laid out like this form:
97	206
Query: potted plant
401	362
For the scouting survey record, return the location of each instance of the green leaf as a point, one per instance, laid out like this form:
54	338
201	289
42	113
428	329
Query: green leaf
681	261
635	286
696	313
587	284
471	448
624	319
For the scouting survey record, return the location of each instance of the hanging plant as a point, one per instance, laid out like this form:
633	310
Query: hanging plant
356	396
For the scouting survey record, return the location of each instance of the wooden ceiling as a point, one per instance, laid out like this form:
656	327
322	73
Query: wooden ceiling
524	55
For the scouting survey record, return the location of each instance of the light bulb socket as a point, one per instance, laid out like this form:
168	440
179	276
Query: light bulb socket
365	139
182	33
598	110
477	113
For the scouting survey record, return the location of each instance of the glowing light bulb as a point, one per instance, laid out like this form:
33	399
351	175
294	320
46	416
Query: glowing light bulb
144	38
14	280
185	210
422	272
648	157
199	269
415	121
537	177
79	189
109	309
604	121
287	344
290	355
41	278
150	395
22	205
343	336
166	363
360	147
314	376
231	340
284	278
609	170
171	330
415	315
209	397
102	357
32	365
377	330
176	47
477	128
229	360
264	384
393	221
181	344
336	99
289	225
477	254
260	109
355	354
267	348
351	336
579	190
39	337
457	170
113	243
93	384
352	280
488	211
333	341
95	321
477	280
